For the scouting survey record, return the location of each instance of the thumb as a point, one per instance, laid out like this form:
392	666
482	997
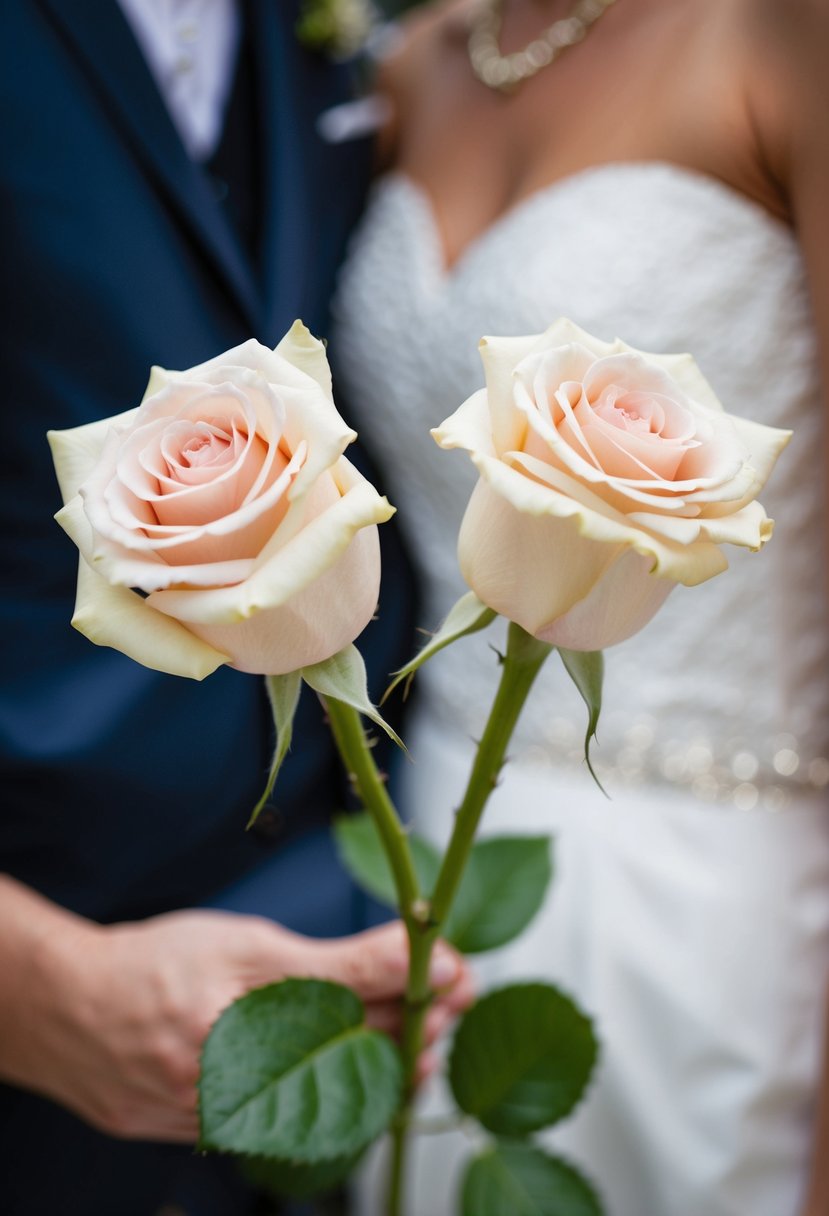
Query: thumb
375	963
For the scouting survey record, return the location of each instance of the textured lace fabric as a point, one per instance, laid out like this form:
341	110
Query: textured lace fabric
726	691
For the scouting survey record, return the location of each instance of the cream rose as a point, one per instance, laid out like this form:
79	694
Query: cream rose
219	522
607	476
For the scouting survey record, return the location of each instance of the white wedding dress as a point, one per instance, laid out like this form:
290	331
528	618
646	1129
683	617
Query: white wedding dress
689	914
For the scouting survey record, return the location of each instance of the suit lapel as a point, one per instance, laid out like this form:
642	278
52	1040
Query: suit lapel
115	65
284	245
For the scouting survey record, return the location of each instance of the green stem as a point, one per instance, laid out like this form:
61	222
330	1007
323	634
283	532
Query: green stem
352	745
397	1172
524	658
521	664
347	729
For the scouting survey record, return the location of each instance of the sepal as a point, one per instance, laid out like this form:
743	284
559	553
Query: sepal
586	669
283	694
343	678
469	615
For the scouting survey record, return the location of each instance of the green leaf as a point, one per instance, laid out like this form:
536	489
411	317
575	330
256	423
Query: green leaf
361	852
522	1180
283	694
343	677
292	1071
586	669
294	1179
522	1058
469	615
502	888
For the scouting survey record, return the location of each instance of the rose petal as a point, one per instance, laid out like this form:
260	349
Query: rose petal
623	494
125	568
730	480
305	352
498	544
627	455
281	573
320	620
750	526
636	373
116	617
468	428
223	539
564	331
684	564
77	450
684	371
618	606
764	444
250	356
499	357
672	527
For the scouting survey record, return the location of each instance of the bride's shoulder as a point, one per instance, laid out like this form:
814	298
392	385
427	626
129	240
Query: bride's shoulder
792	32
787	82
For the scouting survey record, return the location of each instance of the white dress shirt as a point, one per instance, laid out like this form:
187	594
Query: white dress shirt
190	47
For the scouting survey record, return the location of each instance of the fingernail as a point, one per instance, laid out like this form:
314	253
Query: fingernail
443	969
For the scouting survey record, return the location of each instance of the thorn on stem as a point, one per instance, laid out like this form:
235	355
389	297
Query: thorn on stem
502	658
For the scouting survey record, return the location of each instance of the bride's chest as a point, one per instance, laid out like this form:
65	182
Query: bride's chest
662	257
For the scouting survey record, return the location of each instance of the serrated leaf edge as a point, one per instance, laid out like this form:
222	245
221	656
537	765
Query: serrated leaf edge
577	1101
554	1155
441	638
352	1031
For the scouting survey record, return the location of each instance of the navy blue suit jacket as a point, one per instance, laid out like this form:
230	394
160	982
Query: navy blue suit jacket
125	792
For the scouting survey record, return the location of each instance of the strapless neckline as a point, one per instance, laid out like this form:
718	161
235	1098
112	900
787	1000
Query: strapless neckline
559	189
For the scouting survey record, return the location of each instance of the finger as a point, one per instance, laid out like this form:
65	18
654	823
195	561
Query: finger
446	967
438	1021
374	963
386	1016
461	995
160	1124
427	1065
175	1131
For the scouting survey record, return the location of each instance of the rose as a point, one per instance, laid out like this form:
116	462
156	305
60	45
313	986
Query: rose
607	476
219	521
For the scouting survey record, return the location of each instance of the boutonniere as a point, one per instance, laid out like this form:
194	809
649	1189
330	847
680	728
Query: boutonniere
337	28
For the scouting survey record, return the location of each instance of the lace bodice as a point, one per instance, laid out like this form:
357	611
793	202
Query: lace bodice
726	691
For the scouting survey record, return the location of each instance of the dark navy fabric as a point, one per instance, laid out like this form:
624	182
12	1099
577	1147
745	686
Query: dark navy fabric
125	792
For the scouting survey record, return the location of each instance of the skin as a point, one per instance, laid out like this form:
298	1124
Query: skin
734	89
109	1021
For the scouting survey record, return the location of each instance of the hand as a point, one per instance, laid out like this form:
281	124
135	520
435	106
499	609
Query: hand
115	1016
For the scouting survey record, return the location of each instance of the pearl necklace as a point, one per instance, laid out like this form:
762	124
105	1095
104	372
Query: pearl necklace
506	72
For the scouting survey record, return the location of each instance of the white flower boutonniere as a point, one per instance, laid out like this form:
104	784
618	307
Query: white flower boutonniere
338	28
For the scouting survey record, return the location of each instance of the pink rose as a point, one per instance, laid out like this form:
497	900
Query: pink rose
224	499
607	476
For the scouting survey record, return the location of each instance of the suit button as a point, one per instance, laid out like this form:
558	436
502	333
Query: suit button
270	824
